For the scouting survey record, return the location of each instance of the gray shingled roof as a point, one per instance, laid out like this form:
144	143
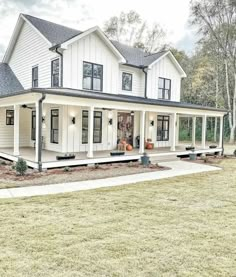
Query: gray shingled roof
136	56
8	81
58	34
53	32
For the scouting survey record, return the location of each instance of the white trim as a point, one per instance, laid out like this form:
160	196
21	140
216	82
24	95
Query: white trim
173	59
101	35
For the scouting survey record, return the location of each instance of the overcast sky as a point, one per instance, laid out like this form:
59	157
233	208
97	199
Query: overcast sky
172	15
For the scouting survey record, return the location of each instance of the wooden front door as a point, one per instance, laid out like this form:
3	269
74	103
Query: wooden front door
125	128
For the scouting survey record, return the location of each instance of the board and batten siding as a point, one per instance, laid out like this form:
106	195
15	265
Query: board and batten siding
31	50
90	49
164	69
137	81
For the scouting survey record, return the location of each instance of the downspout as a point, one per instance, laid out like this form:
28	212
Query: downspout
60	54
145	82
40	115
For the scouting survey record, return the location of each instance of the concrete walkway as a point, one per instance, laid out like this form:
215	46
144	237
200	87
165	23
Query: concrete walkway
178	168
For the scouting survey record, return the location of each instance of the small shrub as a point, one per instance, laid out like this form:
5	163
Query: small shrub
67	169
96	166
21	166
13	167
3	162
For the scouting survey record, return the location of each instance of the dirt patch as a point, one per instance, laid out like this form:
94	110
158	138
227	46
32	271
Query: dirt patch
9	178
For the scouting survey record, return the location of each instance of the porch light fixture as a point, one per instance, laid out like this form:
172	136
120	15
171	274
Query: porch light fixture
110	122
152	123
43	119
132	113
73	120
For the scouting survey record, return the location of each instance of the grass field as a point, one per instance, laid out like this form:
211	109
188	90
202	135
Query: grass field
183	226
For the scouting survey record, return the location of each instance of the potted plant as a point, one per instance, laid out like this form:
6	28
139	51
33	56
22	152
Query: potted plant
145	159
212	146
193	155
190	148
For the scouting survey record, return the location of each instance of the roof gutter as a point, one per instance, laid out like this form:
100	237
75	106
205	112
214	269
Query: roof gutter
145	81
61	55
40	115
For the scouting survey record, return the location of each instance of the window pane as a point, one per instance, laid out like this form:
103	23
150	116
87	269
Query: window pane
87	83
167	83
126	81
166	94
160	93
97	71
97	84
87	69
55	66
161	83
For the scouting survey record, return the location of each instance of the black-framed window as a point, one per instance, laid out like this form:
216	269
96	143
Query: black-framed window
97	127
163	126
92	76
33	125
9	117
55	73
164	88
55	126
35	77
127	79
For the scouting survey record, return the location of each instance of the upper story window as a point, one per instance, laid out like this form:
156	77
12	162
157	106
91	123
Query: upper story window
164	88
126	81
55	73
92	76
35	77
9	117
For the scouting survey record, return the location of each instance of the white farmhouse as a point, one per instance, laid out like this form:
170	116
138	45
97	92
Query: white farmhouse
67	91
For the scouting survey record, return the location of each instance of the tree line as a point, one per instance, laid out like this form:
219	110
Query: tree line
211	70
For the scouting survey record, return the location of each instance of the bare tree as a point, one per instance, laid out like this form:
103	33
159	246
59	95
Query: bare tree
217	19
131	29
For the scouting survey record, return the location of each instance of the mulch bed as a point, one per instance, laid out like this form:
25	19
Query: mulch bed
9	178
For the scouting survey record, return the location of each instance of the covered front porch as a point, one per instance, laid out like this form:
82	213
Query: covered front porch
49	159
43	126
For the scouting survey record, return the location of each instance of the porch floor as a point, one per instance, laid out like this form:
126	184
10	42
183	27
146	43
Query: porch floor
49	157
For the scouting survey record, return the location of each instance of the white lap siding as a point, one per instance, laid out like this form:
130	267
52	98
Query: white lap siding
31	50
7	131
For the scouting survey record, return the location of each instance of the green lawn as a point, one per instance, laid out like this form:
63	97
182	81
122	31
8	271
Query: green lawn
183	226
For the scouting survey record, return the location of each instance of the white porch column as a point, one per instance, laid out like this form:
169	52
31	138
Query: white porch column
142	132
221	131
16	130
204	123
177	131
90	132
173	141
36	131
194	131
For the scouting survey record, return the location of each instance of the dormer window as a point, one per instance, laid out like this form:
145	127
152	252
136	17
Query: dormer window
35	77
55	73
164	89
92	76
127	81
